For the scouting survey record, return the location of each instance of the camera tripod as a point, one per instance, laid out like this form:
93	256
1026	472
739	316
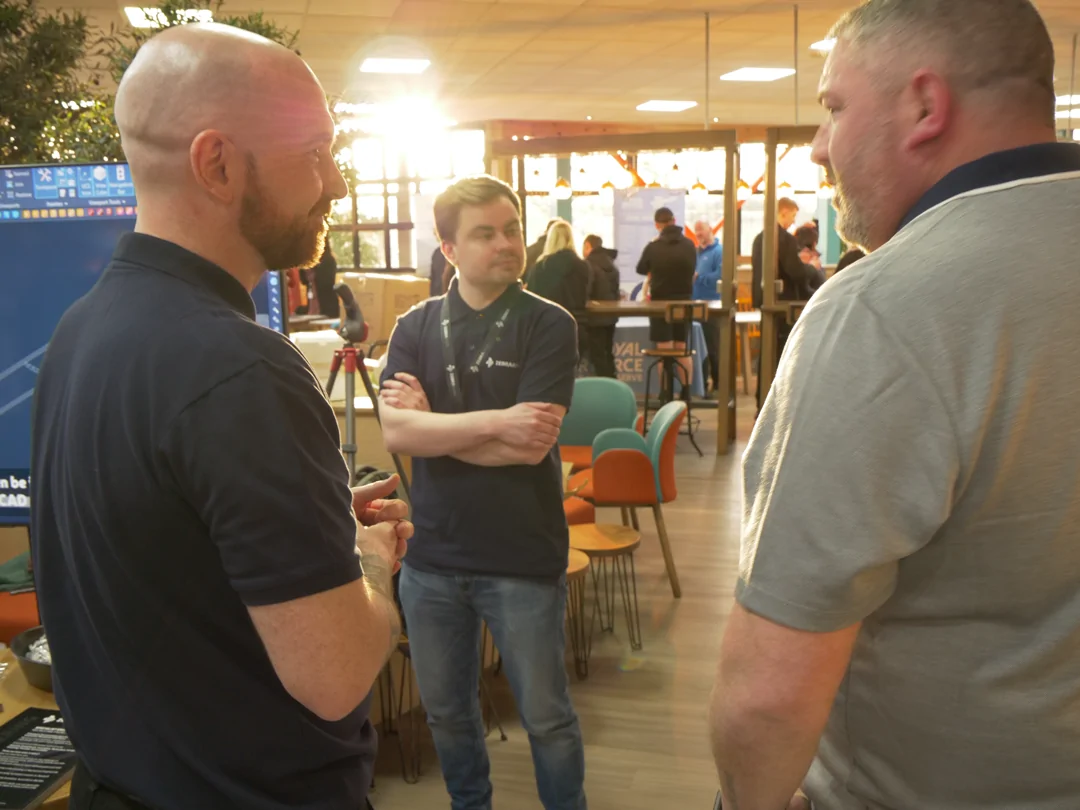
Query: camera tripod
352	358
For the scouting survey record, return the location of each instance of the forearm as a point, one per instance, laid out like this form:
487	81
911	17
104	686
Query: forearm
428	435
762	756
496	453
379	588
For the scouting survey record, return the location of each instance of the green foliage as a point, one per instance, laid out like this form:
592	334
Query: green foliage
118	47
57	82
41	57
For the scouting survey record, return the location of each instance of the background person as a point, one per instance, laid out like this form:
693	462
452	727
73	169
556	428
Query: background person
604	286
668	264
707	277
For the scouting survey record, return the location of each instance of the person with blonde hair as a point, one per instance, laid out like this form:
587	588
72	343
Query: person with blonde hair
562	276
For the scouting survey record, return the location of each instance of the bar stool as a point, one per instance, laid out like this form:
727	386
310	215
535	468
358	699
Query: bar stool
580	639
684	313
608	543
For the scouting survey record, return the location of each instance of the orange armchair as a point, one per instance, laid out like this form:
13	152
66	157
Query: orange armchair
629	470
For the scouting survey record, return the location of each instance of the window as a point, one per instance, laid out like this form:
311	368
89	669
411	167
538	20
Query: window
376	226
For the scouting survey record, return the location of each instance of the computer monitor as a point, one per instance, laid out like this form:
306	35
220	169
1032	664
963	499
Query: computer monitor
59	225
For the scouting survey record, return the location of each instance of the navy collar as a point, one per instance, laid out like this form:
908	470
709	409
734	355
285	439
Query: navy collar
168	257
1024	163
459	309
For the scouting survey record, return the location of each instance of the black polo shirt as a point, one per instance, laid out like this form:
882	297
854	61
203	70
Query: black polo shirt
490	521
186	466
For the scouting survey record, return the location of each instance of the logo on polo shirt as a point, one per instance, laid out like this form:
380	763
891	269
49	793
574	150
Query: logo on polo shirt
493	363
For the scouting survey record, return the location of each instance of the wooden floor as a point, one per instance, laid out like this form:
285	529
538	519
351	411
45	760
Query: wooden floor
642	714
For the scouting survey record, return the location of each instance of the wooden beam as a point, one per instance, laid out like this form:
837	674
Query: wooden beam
624	142
725	386
769	268
796	136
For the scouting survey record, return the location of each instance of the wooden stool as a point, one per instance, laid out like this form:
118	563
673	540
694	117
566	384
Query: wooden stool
580	640
617	544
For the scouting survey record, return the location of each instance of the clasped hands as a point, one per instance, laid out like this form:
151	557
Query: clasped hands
386	527
527	425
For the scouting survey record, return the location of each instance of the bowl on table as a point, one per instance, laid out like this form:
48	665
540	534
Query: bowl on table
37	674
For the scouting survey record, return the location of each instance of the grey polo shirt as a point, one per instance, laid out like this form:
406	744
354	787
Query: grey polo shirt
916	467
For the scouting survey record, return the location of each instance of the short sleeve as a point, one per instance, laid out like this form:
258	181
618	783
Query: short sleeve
644	265
550	359
402	354
257	458
851	468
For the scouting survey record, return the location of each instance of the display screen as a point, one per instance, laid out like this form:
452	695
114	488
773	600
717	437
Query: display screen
58	228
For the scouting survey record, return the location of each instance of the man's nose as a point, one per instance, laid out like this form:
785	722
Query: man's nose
819	148
334	181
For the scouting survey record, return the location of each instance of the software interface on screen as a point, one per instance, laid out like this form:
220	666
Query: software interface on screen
58	228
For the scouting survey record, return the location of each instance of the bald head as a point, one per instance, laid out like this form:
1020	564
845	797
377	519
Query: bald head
703	232
229	140
193	78
999	50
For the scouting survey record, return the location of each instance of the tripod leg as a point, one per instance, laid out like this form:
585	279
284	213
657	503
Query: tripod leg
349	447
365	378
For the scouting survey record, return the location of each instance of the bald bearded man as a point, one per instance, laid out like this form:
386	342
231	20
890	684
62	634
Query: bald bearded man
217	614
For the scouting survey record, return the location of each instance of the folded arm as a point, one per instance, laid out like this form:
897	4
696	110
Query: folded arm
428	435
522	434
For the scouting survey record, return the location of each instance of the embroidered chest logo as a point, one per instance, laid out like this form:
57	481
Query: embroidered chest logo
493	363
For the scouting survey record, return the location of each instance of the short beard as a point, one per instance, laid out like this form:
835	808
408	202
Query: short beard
283	242
851	224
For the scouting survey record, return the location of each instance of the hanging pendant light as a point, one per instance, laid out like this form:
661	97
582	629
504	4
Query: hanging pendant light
562	190
742	191
607	192
826	190
699	189
784	188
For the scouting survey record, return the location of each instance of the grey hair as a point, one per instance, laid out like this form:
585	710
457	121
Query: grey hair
1001	46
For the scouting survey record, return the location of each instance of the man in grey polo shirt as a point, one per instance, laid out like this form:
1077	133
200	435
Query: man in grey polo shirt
907	633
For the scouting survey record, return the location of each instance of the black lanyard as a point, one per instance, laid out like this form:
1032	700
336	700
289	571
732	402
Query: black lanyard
494	335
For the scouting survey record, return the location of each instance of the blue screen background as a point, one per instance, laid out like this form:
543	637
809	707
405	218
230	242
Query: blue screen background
46	265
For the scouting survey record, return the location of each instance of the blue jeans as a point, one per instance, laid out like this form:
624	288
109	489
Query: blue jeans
527	623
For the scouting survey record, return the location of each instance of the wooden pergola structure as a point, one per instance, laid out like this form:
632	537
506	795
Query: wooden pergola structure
500	163
774	312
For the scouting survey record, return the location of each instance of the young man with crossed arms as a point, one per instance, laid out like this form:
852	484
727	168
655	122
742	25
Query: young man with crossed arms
475	388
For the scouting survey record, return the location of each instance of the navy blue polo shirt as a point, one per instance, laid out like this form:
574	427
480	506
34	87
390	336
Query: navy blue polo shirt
490	521
186	467
998	168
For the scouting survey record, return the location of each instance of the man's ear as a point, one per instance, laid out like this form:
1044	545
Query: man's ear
216	165
449	250
928	106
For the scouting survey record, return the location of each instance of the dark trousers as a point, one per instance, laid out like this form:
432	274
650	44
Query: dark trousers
86	794
712	346
602	350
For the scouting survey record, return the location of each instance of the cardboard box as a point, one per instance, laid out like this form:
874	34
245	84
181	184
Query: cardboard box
383	297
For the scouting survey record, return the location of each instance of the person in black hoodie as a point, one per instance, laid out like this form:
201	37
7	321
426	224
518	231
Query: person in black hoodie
604	286
669	262
561	276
